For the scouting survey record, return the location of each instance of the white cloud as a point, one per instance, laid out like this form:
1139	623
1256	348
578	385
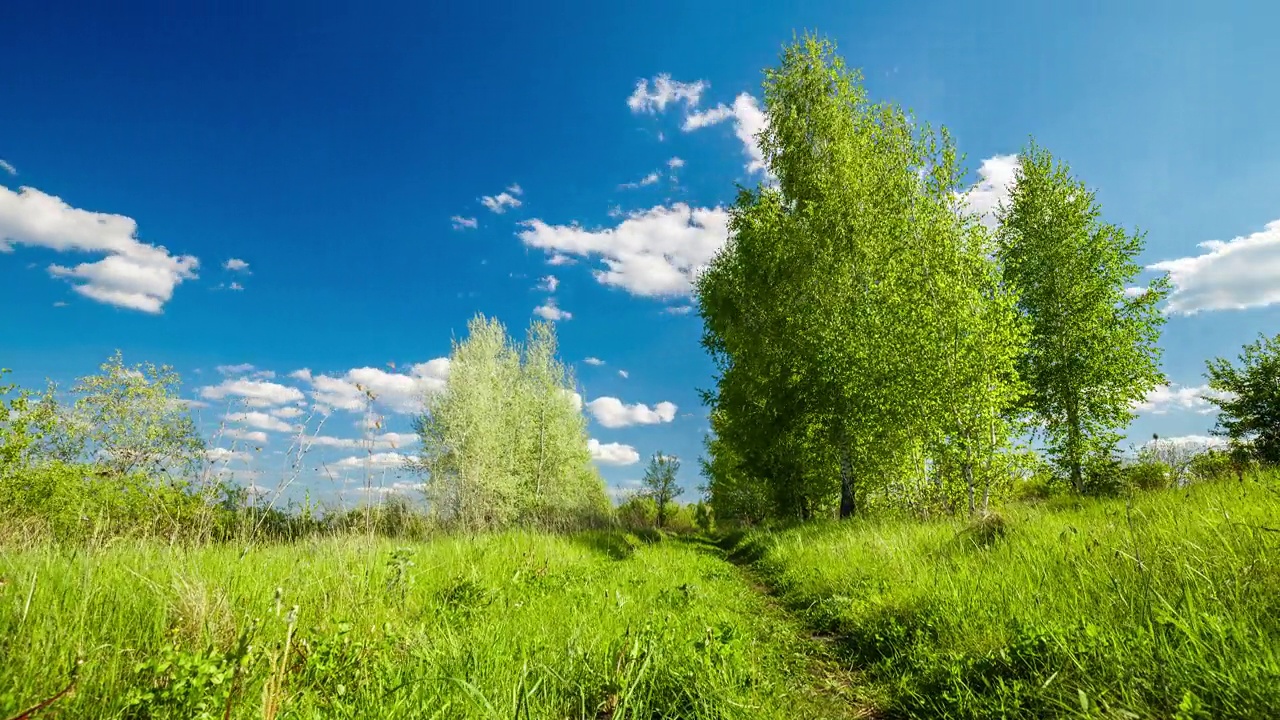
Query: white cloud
241	369
996	177
254	436
464	223
655	252
612	453
1176	397
675	163
396	391
748	121
1240	273
612	413
256	393
385	441
8	168
286	413
624	374
515	189
548	283
379	461
560	259
133	274
1190	441
678	309
593	361
500	202
649	179
223	455
259	420
574	399
665	91
1135	291
549	311
235	286
236	265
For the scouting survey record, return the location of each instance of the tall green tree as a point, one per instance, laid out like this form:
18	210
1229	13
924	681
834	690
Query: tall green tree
660	483
1248	398
1093	347
855	314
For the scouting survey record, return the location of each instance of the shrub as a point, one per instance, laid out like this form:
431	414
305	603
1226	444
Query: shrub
1148	475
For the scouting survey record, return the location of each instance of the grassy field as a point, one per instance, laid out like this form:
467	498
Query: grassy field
504	626
1165	607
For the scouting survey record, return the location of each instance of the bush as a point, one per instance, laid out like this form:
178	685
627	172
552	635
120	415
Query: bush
1148	475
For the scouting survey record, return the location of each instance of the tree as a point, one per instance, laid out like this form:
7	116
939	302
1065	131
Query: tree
1248	398
131	420
506	442
855	314
1092	351
660	483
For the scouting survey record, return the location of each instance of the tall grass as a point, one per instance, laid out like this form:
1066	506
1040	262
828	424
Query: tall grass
508	626
1162	605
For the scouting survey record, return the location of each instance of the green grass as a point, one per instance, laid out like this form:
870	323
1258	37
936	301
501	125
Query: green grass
1166	607
502	626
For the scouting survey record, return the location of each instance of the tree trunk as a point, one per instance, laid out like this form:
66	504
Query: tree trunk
1073	448
848	500
968	479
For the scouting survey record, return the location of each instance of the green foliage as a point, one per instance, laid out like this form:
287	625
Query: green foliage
859	323
1092	351
660	484
1153	606
1248	398
506	442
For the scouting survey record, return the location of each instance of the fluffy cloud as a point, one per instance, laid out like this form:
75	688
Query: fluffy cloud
378	461
8	168
464	223
286	413
548	283
665	91
223	455
612	453
396	391
593	361
1240	273
236	265
133	274
253	436
385	441
748	121
549	311
259	420
241	369
256	393
502	201
675	163
612	413
649	179
655	253
996	176
1176	397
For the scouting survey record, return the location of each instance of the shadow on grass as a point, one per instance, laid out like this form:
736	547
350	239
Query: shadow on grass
617	544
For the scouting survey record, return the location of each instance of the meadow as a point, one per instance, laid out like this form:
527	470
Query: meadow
1163	604
511	625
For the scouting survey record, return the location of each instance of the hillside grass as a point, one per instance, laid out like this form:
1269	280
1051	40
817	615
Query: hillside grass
515	625
1164	605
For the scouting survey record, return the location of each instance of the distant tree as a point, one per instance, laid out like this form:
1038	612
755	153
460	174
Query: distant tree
1248	399
1092	351
505	443
702	516
660	483
130	420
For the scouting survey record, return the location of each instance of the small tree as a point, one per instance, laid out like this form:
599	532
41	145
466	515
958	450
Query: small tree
1248	399
660	483
131	420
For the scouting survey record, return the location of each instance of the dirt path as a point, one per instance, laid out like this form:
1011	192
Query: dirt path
831	686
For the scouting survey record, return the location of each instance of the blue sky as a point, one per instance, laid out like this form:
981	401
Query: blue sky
342	152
